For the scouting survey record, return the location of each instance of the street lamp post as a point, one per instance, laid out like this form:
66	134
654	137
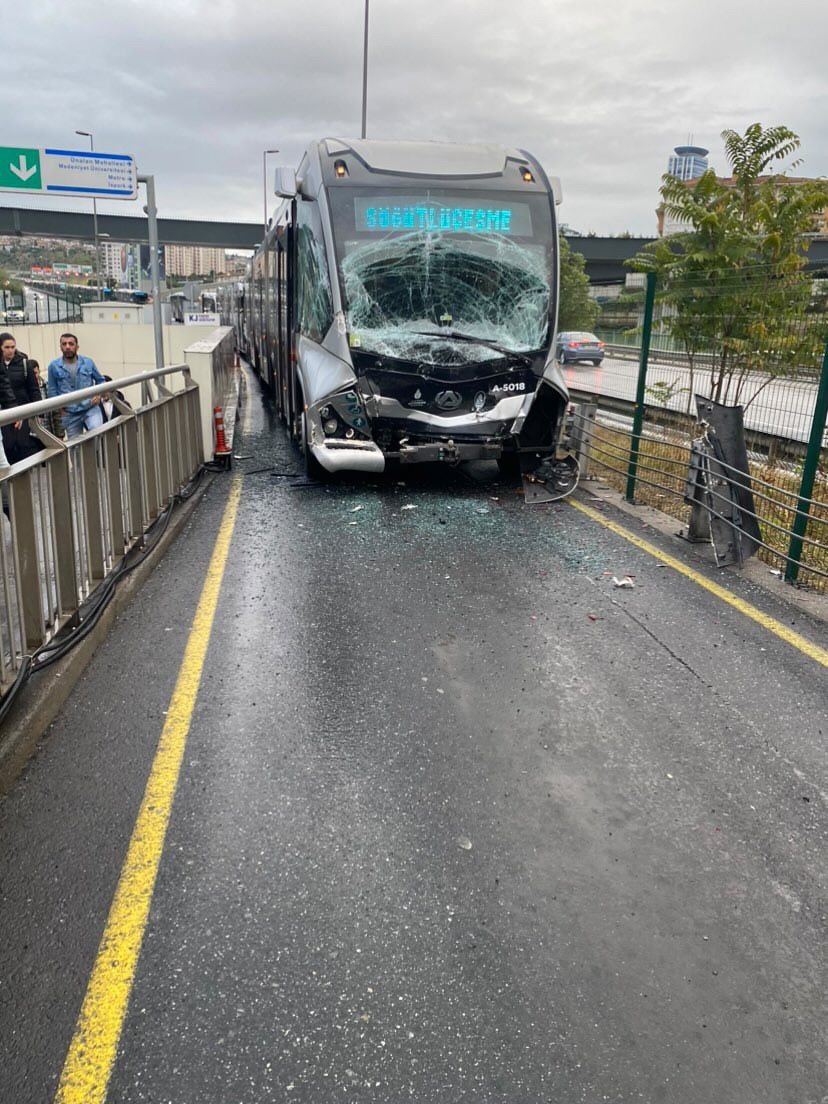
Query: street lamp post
91	137
264	182
365	74
104	273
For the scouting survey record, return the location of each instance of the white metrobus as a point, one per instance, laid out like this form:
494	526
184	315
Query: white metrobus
402	307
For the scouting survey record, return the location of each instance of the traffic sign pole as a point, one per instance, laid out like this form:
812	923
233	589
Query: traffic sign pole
87	173
155	275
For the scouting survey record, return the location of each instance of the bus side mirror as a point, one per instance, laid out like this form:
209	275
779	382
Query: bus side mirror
284	183
557	191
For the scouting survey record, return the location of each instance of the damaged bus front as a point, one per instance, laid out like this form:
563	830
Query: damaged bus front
426	296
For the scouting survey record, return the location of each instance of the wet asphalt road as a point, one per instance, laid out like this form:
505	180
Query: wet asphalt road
457	819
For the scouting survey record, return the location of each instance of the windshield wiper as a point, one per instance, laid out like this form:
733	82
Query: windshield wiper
457	335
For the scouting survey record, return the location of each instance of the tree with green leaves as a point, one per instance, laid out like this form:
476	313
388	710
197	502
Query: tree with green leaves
576	309
731	282
10	284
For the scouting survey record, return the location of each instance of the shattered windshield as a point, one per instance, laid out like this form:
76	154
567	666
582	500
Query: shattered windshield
425	274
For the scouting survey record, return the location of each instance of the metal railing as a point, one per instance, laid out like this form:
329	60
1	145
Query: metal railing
757	343
73	511
791	511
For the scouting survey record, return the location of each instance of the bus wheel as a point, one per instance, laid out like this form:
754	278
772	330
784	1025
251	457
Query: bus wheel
313	469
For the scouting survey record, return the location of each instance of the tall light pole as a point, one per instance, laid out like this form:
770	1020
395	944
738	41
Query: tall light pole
264	182
91	137
365	74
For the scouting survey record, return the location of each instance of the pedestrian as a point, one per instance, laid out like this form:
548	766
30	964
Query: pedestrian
17	440
109	409
7	396
72	372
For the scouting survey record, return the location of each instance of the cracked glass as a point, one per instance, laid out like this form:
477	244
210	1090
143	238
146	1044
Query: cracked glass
314	303
424	275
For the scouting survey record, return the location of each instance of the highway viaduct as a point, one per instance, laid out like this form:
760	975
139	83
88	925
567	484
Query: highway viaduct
604	256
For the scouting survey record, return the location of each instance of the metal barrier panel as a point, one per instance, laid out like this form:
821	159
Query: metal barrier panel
65	548
72	512
149	465
136	499
92	529
27	575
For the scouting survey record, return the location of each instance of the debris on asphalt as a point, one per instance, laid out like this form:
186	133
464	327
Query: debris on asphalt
409	506
356	509
775	571
625	582
464	842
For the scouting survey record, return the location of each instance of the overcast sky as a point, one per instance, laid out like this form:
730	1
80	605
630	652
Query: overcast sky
599	90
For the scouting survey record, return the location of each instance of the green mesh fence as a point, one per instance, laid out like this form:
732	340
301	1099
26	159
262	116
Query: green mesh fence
757	341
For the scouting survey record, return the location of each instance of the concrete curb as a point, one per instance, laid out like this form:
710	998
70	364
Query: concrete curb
43	696
757	573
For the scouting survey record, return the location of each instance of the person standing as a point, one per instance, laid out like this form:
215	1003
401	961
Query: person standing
71	372
18	368
7	397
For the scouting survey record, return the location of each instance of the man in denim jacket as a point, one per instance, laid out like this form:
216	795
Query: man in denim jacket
71	372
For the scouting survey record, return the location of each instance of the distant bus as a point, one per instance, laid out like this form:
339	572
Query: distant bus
402	307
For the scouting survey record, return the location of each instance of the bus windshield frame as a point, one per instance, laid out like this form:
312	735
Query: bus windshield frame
426	267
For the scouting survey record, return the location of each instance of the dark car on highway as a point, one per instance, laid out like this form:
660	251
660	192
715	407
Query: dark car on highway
573	346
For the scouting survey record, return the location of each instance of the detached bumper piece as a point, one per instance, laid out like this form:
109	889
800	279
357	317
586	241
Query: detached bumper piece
336	456
552	480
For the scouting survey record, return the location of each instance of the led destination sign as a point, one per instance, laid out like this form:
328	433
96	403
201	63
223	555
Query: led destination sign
381	215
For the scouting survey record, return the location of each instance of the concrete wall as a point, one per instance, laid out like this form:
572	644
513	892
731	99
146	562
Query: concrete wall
212	367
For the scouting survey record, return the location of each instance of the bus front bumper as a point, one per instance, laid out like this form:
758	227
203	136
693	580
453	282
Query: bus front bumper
336	456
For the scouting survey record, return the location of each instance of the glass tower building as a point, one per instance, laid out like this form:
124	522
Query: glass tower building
688	162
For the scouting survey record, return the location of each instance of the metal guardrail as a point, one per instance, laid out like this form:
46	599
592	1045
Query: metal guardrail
679	359
793	520
73	511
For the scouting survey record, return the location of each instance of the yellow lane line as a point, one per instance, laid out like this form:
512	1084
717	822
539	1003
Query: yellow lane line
771	624
93	1048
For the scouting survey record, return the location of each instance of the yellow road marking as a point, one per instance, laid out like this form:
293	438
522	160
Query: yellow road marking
91	1056
770	623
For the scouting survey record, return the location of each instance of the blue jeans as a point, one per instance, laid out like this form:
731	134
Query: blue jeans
75	422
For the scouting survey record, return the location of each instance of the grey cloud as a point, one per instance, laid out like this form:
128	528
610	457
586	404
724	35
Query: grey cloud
601	92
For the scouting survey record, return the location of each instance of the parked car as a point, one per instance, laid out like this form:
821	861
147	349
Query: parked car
573	346
14	315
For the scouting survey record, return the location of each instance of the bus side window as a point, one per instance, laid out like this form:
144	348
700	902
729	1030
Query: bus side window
315	305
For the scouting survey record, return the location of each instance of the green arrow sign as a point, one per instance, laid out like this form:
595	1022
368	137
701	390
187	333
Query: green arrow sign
20	168
68	172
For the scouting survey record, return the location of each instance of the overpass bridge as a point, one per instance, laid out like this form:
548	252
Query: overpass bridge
604	256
